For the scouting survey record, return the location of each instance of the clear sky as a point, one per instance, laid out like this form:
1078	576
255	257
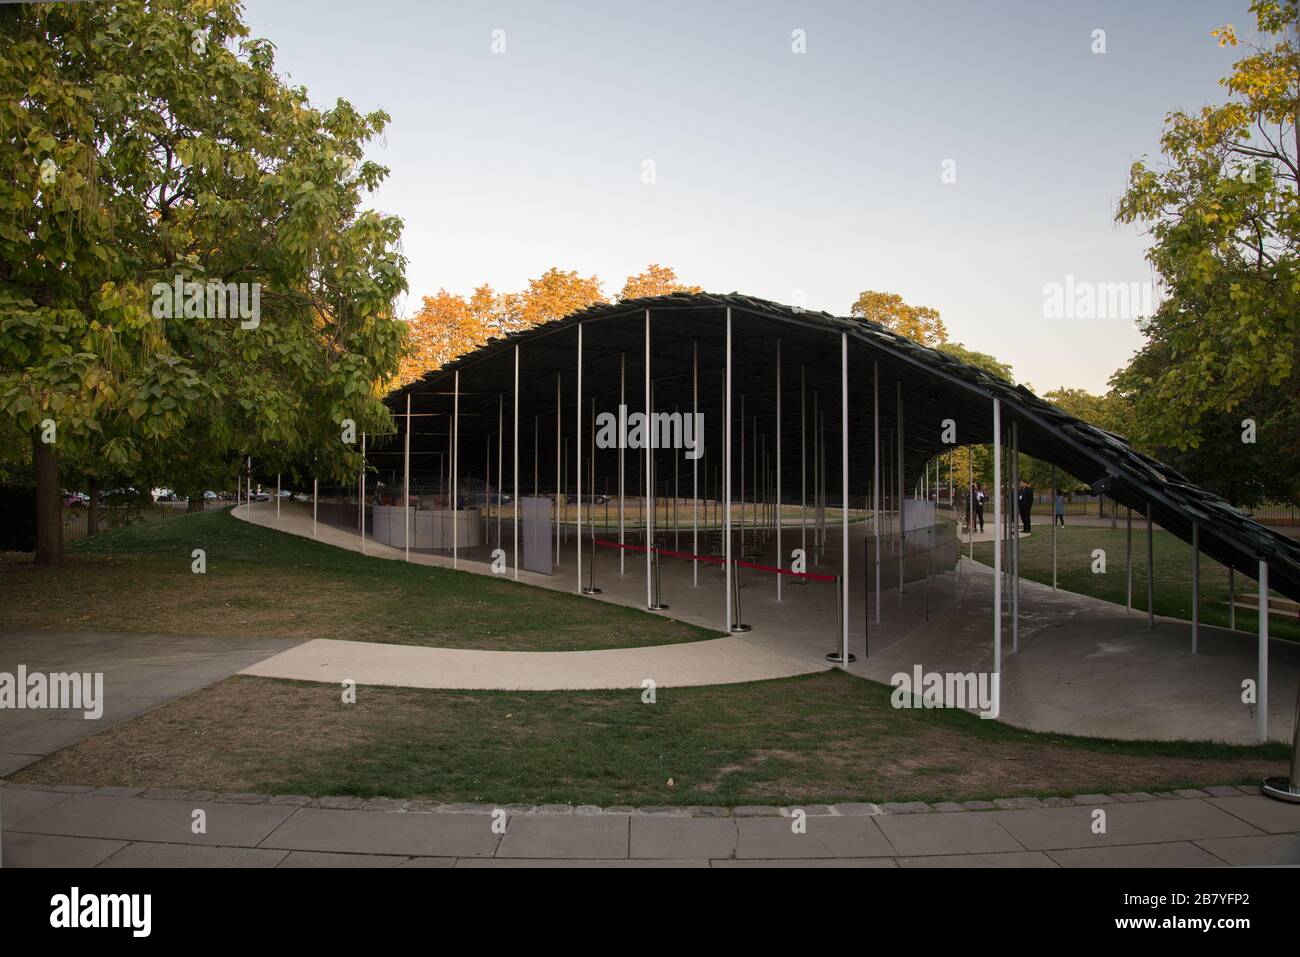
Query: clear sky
777	174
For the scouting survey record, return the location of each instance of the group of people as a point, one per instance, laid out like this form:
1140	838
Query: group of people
1024	504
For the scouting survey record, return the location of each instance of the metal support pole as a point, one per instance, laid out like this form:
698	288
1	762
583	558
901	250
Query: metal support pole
726	485
362	496
1151	572
997	541
315	501
1128	557
875	473
803	465
1232	599
622	435
902	530
780	555
277	493
1017	518
695	462
1055	494
1261	712
577	451
406	478
558	466
651	599
1196	587
514	458
455	475
844	492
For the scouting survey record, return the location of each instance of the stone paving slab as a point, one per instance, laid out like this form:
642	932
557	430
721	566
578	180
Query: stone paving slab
916	834
851	836
147	854
139	819
1267	814
1159	821
771	838
1003	859
1177	854
808	862
44	850
9	762
330	859
680	838
571	862
586	837
1271	849
17	804
382	832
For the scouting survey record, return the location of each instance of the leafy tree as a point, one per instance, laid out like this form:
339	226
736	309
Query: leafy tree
921	324
655	281
1223	212
151	145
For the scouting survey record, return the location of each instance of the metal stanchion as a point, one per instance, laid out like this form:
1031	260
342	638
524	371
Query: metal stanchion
1282	788
590	588
736	624
837	657
657	605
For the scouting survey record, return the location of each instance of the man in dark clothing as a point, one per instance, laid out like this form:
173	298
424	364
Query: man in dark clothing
977	500
1025	502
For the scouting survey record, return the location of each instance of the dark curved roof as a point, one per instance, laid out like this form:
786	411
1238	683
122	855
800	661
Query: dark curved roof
933	385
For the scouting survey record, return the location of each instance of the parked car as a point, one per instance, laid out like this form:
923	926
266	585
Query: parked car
210	496
76	500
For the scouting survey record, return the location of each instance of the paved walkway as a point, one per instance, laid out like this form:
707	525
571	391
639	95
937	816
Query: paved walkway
722	661
140	673
114	827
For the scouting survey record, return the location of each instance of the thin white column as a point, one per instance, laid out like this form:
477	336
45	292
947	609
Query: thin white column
902	493
406	478
363	493
577	447
315	497
1055	494
501	462
649	478
997	539
726	485
695	463
277	495
622	436
780	555
455	473
844	495
1151	572
1261	713
803	465
1016	519
875	473
1196	587
1232	599
1128	558
558	440
514	457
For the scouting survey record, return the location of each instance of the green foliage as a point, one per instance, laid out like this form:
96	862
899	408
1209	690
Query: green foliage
147	142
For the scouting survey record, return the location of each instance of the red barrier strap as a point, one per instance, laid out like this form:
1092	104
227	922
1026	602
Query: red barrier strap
714	560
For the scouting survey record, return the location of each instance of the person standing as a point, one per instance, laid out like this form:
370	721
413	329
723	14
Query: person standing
1025	502
1060	508
977	499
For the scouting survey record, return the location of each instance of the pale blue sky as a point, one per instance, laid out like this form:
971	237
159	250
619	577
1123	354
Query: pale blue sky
776	173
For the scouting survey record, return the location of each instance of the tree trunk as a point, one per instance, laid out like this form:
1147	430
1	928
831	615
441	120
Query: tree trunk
196	503
49	504
92	509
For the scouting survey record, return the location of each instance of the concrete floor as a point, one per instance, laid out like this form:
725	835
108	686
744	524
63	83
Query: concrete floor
1084	666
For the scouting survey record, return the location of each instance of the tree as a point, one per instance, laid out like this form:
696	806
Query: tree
655	281
152	150
921	324
1223	212
552	295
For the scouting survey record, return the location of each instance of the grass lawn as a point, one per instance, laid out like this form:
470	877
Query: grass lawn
1173	573
816	738
260	582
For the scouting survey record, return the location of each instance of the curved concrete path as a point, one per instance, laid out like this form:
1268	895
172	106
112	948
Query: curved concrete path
718	662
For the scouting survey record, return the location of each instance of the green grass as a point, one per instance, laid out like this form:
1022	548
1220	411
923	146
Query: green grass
1173	573
826	737
261	582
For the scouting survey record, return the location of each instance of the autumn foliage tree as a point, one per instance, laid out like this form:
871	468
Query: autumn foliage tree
921	324
655	281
